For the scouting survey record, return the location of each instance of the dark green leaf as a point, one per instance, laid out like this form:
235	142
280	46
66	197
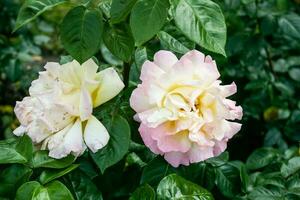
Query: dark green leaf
291	167
219	160
170	43
12	177
120	9
51	174
118	143
81	32
175	187
147	18
140	57
262	193
19	151
83	187
290	25
156	170
261	158
144	192
228	180
41	159
202	22
119	41
33	8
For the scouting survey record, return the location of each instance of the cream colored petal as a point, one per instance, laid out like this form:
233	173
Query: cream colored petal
165	59
110	86
90	68
73	140
85	105
95	134
19	131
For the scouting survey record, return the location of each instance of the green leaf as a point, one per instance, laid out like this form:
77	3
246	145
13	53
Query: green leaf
228	180
117	146
261	158
175	187
291	167
262	193
41	159
52	191
119	41
295	74
81	31
120	10
12	177
290	25
202	22
140	57
83	187
33	8
28	190
156	170
245	180
51	174
19	151
219	160
144	192
147	18
170	43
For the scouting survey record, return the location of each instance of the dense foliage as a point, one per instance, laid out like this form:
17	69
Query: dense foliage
261	55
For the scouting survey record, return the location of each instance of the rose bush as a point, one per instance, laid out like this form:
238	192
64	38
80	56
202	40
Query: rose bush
183	109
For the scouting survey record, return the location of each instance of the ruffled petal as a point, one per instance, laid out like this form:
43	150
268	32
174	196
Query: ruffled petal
146	133
200	153
165	59
177	158
139	100
150	71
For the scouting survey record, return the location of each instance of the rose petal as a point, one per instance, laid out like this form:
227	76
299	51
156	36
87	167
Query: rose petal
165	59
176	158
110	86
95	134
85	105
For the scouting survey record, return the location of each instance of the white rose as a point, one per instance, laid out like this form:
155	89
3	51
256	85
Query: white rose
60	100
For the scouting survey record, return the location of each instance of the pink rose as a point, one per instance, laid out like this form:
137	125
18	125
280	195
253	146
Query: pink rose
182	108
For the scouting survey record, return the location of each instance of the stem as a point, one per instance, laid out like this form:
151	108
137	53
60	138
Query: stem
126	71
269	58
